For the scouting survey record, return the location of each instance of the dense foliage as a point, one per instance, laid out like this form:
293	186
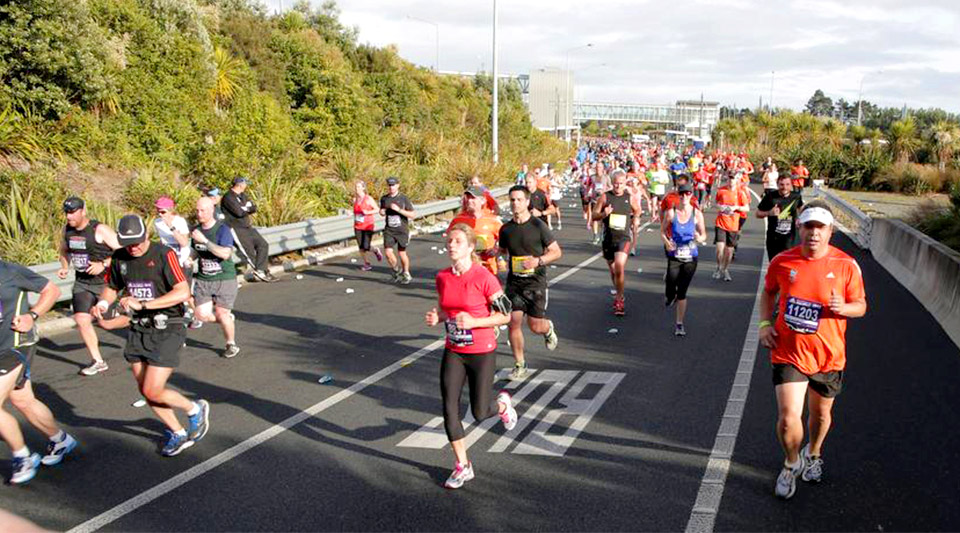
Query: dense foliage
175	94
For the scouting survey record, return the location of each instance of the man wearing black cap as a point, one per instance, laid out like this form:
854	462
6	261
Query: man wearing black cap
86	246
397	209
237	208
155	291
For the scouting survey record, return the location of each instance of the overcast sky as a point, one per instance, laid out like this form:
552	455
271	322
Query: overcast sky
655	51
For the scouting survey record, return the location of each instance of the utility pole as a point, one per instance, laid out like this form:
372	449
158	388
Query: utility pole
772	75
496	91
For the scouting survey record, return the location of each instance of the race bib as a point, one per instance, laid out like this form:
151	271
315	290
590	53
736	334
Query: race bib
618	221
516	266
784	226
727	209
209	267
684	252
359	218
458	337
141	290
802	316
80	261
393	221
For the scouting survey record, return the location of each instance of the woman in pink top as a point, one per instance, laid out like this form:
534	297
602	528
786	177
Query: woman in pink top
471	305
364	207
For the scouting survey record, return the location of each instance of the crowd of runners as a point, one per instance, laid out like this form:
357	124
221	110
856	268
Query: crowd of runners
498	276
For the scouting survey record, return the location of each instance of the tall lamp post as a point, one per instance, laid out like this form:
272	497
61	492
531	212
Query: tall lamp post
496	91
860	96
436	27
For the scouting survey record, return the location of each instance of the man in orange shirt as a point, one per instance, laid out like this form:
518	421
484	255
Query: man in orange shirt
485	225
800	174
819	288
730	204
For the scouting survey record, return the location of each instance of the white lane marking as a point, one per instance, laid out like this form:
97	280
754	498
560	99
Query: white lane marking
585	262
186	476
755	195
704	512
192	473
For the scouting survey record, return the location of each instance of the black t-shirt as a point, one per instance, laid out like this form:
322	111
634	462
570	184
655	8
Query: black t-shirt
785	225
396	223
15	282
521	241
147	277
540	202
618	225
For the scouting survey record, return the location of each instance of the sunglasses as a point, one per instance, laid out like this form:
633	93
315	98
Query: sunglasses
162	211
687	193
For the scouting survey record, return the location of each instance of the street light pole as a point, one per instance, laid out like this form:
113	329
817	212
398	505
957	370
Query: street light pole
860	96
773	74
496	91
568	105
436	27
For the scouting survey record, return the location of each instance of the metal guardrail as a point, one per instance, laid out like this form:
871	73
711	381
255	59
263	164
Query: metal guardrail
857	223
290	237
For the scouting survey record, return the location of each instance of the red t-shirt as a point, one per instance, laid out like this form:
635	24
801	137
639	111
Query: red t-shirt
360	220
809	335
727	197
469	293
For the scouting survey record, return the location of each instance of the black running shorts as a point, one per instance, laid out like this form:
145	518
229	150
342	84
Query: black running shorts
155	347
827	384
532	299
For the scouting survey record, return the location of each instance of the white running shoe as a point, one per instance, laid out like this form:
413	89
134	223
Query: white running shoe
95	368
460	475
550	338
56	451
812	466
25	468
787	481
726	276
509	414
716	274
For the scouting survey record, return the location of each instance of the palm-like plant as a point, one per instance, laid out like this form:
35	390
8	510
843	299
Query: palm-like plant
227	80
903	139
944	138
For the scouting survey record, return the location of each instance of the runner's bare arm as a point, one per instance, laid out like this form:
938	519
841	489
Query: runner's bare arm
108	236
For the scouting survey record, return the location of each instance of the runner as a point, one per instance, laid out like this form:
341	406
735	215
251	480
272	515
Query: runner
251	246
364	207
780	207
727	230
531	246
658	179
486	227
156	290
18	343
618	209
799	175
556	195
215	286
522	175
174	233
397	209
540	204
677	168
471	304
819	288
682	229
710	167
86	246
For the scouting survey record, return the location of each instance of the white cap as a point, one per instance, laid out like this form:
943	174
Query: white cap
816	214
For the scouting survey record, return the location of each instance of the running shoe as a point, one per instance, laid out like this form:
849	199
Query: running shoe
619	307
519	371
270	278
199	423
366	267
812	466
460	475
406	278
24	468
196	324
726	276
174	443
508	415
260	275
231	351
679	331
56	451
378	253
397	276
787	481
550	338
95	368
716	274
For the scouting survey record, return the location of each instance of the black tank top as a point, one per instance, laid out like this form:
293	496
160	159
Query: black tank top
618	224
83	249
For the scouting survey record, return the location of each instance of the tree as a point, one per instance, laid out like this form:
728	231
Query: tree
903	139
819	104
945	140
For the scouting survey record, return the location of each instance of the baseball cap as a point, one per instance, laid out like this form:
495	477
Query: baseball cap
240	179
816	214
71	204
164	202
131	230
213	192
476	192
392	180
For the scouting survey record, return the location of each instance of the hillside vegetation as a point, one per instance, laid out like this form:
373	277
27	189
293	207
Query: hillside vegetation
124	100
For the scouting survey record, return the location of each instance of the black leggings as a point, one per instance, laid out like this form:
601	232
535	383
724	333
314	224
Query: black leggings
455	369
679	275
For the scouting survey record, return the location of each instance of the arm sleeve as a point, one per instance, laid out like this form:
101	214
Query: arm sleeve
180	224
225	236
27	279
231	204
253	206
854	289
172	273
489	284
546	237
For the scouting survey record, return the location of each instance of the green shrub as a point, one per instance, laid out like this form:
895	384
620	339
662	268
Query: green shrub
151	183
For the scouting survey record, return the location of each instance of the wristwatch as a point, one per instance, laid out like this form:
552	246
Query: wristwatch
33	315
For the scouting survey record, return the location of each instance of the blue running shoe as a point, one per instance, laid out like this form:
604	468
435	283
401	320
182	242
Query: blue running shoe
56	451
24	468
200	422
175	443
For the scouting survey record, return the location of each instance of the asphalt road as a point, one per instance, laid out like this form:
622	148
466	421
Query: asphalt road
615	430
